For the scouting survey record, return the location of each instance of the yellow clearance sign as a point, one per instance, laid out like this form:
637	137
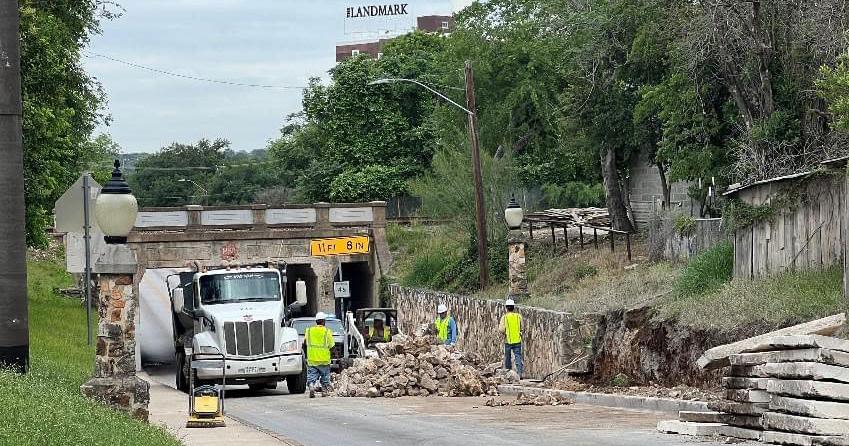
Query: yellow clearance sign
339	246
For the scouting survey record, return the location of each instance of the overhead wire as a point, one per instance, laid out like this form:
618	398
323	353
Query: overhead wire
186	76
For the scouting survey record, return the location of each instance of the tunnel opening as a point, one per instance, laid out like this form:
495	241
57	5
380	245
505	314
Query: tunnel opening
304	272
360	280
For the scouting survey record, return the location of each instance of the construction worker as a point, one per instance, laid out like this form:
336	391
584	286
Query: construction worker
446	327
378	332
511	326
319	340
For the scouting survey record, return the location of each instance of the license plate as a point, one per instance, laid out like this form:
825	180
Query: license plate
249	370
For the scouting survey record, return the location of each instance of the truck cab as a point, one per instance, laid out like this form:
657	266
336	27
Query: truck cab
240	313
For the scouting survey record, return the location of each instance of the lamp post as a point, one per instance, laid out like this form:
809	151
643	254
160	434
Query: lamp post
480	212
116	208
188	180
115	382
516	245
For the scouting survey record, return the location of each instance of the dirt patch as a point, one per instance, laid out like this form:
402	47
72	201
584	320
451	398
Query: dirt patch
632	348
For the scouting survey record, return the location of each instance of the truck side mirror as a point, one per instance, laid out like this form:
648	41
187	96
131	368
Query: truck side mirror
177	300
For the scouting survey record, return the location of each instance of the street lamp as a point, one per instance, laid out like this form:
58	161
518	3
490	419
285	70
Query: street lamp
189	180
513	214
116	208
469	109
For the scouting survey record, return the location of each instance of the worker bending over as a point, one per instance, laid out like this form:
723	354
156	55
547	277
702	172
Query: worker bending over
319	340
378	332
511	326
446	327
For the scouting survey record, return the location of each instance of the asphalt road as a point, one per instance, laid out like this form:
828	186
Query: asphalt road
333	421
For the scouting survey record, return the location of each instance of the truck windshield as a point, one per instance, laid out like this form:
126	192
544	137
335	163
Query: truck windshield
239	287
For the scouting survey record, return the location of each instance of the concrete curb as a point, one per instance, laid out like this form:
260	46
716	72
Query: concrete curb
613	400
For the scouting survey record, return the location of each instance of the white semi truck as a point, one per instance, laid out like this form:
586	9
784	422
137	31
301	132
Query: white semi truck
240	313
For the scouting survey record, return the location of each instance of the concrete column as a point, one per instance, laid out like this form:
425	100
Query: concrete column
378	210
517	268
322	215
193	211
258	211
115	382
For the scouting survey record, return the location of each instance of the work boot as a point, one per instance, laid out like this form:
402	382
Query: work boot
312	390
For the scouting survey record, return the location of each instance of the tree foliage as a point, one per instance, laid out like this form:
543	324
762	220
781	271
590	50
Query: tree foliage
61	102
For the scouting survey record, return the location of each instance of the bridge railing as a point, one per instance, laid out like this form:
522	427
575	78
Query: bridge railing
261	216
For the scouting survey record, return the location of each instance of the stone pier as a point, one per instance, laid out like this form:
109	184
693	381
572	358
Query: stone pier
115	382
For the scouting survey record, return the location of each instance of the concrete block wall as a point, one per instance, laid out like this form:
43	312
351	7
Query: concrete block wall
646	190
551	338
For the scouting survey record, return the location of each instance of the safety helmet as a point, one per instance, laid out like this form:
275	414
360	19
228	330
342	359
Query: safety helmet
441	308
320	316
379	317
509	303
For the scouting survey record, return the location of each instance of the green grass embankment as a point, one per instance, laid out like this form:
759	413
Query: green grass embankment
45	406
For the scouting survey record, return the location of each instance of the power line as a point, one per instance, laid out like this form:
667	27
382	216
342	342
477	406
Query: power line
194	78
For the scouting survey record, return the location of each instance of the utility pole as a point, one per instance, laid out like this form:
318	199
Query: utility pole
14	331
480	212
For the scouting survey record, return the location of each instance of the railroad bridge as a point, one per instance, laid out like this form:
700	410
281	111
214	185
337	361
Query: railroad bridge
164	239
170	237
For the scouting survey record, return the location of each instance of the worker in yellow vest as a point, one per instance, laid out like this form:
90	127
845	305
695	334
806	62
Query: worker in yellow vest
319	340
446	326
511	326
378	332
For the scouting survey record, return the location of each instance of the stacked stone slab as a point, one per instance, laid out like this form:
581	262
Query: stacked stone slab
809	391
791	390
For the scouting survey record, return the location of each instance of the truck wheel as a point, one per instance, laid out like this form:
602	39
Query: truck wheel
182	373
298	383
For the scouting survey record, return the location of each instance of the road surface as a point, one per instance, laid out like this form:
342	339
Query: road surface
441	421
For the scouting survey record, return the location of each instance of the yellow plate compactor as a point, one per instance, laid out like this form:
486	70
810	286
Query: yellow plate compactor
206	403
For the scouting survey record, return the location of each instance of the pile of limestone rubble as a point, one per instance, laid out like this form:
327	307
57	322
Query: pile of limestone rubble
417	366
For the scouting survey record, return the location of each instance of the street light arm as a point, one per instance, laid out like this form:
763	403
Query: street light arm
413	81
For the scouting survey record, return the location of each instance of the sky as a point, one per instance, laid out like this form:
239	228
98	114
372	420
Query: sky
280	43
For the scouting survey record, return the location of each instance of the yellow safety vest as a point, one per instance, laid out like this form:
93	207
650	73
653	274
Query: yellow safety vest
319	341
513	328
442	328
386	333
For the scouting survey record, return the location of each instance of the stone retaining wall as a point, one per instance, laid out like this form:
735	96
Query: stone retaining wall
551	338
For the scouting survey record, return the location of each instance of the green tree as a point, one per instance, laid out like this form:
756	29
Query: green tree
61	101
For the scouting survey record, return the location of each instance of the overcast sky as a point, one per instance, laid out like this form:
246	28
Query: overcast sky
268	42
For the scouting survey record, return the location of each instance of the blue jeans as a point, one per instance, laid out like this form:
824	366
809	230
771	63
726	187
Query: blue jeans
316	372
516	349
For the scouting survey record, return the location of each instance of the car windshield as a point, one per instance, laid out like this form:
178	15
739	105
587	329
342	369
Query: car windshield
239	287
335	325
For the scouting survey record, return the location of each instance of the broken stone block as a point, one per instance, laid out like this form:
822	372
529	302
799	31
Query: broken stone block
808	370
747	395
736	408
806	341
693	429
718	356
732	382
700	417
748	371
747	421
823	355
740	432
810	408
805	425
809	389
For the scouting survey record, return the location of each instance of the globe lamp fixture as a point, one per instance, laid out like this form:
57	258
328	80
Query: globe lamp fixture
116	208
513	214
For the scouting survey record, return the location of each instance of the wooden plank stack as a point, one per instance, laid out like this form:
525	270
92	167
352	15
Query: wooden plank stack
569	217
790	390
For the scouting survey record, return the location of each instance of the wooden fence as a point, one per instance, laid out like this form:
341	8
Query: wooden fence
804	234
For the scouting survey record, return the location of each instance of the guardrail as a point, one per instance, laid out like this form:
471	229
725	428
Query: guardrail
261	216
610	231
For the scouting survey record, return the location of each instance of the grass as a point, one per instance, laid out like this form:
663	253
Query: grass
780	300
707	272
45	406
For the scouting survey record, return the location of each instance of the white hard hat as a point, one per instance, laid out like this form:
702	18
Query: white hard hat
441	308
320	316
379	317
509	303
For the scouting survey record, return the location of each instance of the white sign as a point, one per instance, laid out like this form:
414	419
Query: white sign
341	289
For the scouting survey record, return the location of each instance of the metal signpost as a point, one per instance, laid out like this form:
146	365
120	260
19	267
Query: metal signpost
87	237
